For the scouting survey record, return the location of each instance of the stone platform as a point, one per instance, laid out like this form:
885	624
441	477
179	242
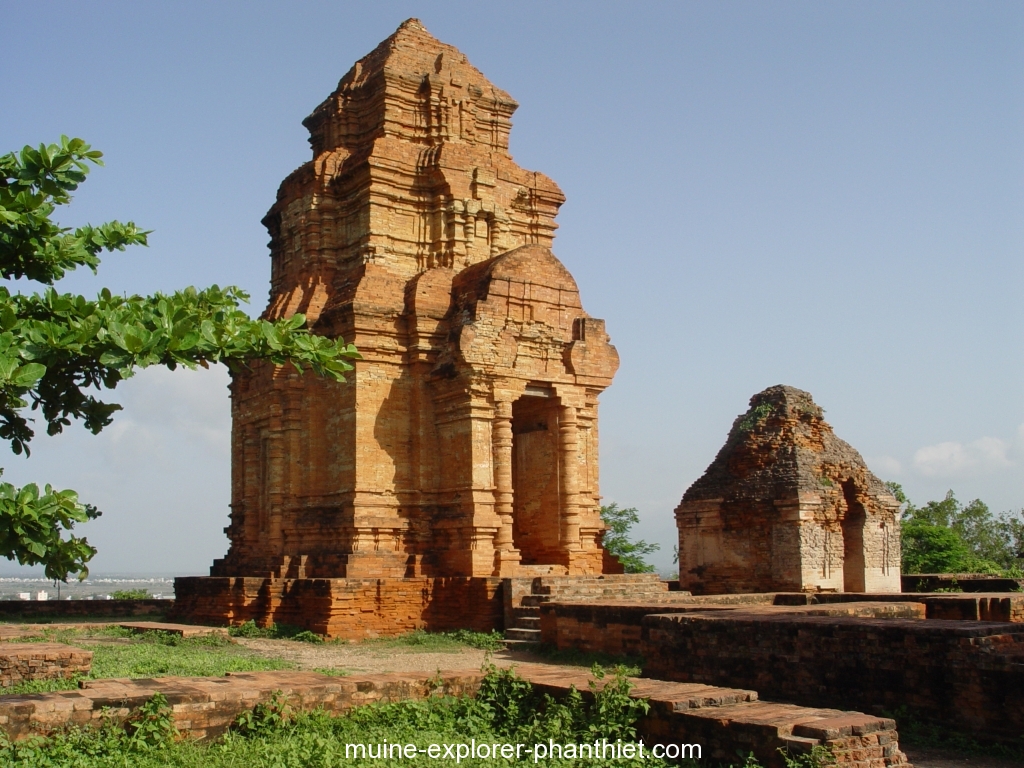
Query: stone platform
22	662
614	626
723	721
181	630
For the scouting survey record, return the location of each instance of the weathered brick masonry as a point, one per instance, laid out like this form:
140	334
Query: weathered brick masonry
21	662
32	610
345	608
723	721
967	676
975	606
615	627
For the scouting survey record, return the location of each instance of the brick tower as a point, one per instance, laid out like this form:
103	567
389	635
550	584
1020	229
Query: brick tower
788	506
464	443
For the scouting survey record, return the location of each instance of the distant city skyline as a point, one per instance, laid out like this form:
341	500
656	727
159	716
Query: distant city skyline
825	196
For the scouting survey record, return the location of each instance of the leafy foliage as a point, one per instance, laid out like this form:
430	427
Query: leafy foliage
616	539
57	348
151	726
818	757
754	416
266	717
130	594
949	537
274	632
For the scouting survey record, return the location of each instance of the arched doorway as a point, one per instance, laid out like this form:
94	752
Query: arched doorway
853	541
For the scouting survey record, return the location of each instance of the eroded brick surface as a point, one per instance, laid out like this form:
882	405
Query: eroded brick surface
786	505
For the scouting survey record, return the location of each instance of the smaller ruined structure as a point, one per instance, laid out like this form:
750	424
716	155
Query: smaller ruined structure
787	506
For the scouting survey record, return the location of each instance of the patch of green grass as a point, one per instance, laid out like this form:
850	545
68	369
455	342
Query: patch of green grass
275	632
440	642
119	652
629	665
333	671
916	732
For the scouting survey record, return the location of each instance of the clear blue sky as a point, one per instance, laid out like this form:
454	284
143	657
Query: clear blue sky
826	195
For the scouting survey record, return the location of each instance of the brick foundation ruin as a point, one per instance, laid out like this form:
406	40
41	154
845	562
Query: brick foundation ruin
465	442
24	662
724	721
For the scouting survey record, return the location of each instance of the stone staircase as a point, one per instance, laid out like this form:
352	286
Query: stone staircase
524	596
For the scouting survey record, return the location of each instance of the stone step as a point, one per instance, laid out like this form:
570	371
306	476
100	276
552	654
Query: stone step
532	635
523	612
521	645
182	630
527	622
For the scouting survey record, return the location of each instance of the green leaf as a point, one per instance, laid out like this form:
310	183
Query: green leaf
28	374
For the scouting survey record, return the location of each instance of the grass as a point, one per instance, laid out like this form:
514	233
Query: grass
440	642
629	665
915	732
417	640
120	652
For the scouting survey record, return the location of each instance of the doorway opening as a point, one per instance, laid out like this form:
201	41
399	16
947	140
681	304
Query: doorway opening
535	477
853	541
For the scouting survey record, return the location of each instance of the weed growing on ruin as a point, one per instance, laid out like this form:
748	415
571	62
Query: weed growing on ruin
754	417
266	717
819	757
151	726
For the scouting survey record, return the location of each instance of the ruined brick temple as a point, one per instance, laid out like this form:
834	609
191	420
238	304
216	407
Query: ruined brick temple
464	445
788	506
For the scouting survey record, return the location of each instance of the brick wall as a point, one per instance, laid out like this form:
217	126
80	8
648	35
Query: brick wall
968	582
967	676
30	610
614	627
21	662
345	608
